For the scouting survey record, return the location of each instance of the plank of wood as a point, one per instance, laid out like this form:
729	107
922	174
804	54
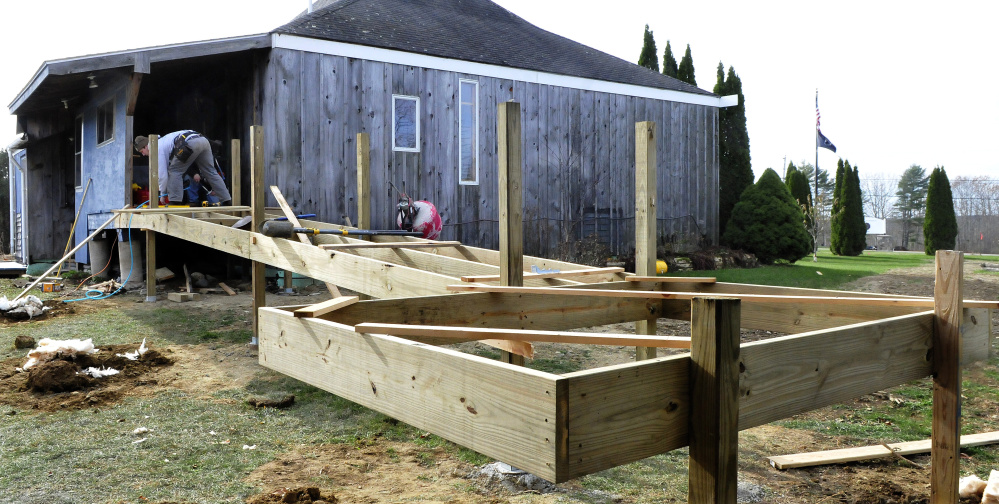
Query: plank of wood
659	279
511	194
759	298
228	290
844	455
645	220
182	210
554	274
505	412
392	245
325	307
258	278
187	278
363	181
293	219
236	173
714	416
183	297
945	453
522	349
479	333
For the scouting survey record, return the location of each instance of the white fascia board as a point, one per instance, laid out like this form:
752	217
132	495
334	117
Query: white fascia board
281	41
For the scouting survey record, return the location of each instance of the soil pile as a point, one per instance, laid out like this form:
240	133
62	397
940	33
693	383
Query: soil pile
294	495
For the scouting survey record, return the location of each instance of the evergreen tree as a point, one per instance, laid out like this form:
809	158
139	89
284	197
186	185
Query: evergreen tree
940	225
909	200
649	57
735	170
798	185
853	219
837	207
669	62
768	222
685	71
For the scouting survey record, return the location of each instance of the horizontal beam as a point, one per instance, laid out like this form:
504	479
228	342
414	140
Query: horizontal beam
659	279
404	245
502	411
759	298
325	307
184	210
553	274
478	333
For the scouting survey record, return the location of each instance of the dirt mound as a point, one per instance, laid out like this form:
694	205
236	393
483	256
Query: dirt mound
61	384
293	495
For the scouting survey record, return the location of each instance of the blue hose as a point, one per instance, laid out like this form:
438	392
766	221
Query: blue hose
94	294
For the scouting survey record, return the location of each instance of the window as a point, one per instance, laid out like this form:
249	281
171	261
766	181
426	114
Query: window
468	133
78	152
105	122
405	123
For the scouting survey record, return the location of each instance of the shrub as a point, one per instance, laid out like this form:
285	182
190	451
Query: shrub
940	225
767	222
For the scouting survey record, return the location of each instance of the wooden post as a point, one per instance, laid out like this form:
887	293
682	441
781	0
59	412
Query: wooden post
645	220
714	404
258	281
363	181
154	202
945	446
237	181
511	206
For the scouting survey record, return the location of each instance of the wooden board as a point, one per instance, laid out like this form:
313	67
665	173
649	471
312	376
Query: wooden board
845	455
468	334
552	274
183	297
326	306
502	411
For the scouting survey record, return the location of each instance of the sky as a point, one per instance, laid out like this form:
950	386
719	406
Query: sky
899	83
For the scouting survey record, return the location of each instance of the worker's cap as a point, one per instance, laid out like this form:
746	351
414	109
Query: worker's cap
140	142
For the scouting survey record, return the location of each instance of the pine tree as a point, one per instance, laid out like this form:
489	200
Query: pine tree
685	71
768	222
800	190
909	200
734	167
669	62
837	207
649	57
856	227
940	225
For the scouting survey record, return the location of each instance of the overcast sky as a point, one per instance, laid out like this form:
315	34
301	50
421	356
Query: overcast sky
900	83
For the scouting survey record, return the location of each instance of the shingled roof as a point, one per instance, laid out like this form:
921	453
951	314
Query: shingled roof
470	30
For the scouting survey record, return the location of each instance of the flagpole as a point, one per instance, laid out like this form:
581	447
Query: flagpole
815	202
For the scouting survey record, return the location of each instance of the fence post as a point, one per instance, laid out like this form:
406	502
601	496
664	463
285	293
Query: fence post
154	200
714	400
257	279
945	446
645	220
511	206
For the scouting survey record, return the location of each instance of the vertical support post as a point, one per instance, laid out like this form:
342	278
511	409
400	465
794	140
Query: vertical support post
363	181
154	201
945	445
257	213
237	180
511	204
714	405
645	220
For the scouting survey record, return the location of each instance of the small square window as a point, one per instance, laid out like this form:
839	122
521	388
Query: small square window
405	123
105	122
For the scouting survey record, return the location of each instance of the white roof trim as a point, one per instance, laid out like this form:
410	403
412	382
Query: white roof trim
467	67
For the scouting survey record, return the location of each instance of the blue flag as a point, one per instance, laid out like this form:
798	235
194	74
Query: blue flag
822	141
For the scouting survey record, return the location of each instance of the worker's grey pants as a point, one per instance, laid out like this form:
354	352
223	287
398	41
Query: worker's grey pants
201	156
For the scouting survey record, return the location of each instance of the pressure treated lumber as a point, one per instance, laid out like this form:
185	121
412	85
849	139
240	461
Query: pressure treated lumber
302	237
363	181
257	269
325	307
945	449
511	194
502	411
645	219
399	245
553	274
714	416
154	201
476	333
845	455
659	279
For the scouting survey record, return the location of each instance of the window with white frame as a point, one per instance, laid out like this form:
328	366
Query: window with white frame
405	123
105	122
468	133
78	152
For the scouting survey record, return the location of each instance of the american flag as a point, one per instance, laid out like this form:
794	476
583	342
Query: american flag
818	116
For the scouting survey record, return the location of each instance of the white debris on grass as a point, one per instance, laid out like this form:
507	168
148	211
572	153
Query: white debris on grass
30	305
99	373
136	354
248	447
140	430
516	479
991	493
137	441
49	348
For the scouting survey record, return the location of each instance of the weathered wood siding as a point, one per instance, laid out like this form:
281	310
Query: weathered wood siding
578	153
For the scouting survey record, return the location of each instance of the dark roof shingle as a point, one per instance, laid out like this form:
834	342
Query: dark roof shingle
469	30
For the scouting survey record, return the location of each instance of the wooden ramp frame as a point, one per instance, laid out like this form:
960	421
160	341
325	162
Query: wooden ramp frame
565	426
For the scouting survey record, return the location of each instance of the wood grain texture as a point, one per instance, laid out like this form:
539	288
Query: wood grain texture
511	194
714	416
477	333
325	307
154	199
505	412
289	214
872	452
947	314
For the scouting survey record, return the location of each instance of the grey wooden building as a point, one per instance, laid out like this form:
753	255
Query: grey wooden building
423	78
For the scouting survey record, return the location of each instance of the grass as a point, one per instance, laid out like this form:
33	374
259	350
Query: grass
835	270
